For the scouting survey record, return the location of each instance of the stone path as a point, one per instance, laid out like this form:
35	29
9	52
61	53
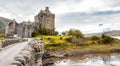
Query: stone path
7	55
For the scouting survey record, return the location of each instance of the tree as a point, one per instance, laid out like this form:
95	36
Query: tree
56	33
75	32
94	37
44	31
107	39
64	33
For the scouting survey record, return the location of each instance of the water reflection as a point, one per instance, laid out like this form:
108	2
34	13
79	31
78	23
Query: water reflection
91	60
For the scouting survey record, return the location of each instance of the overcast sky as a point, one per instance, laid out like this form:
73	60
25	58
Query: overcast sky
85	15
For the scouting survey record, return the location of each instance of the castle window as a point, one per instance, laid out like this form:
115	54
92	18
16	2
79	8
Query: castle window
48	22
28	27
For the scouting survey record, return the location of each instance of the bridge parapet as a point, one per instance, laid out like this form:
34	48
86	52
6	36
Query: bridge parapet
5	43
31	55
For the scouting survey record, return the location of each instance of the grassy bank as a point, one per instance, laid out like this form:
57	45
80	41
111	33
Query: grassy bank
59	44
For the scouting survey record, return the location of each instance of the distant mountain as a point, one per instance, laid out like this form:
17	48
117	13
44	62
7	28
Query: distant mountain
3	22
113	33
109	33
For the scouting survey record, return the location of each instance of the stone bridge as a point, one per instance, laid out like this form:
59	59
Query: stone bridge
27	53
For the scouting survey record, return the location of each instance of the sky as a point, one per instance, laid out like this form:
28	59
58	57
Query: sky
85	15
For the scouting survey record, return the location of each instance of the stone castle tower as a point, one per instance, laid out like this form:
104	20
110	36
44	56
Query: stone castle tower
45	19
25	29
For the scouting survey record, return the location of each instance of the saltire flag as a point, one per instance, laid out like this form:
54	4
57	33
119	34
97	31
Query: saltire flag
100	24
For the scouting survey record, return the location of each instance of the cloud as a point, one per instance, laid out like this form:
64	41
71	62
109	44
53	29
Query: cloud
82	14
89	23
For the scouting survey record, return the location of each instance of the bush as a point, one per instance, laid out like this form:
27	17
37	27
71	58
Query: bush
35	33
55	46
48	38
69	39
61	38
107	39
77	41
95	38
76	33
2	35
52	40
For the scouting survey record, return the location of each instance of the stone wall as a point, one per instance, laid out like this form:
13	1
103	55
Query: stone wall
31	55
4	43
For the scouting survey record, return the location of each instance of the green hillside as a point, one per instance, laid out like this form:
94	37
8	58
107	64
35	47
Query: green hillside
2	27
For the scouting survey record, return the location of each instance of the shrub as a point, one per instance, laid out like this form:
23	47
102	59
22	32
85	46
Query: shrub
107	39
55	46
76	33
61	38
35	33
52	40
48	38
69	39
77	41
95	38
2	35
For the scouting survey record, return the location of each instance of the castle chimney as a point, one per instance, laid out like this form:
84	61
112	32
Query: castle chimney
14	26
47	9
14	23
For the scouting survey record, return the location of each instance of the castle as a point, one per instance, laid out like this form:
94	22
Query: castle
25	29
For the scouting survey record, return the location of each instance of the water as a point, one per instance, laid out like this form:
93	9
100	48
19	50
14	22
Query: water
118	37
112	59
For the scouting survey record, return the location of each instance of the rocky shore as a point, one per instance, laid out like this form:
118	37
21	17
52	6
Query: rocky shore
50	58
48	54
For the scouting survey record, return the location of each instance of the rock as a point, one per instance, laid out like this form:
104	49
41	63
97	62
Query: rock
46	55
115	50
1	45
16	63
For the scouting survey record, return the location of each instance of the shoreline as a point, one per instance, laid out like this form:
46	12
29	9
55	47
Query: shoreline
52	59
74	53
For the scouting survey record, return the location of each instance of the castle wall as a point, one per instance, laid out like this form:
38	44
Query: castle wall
25	29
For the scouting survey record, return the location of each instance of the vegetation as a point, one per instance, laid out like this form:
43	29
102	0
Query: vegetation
107	39
44	31
74	40
54	39
2	27
2	37
77	42
75	33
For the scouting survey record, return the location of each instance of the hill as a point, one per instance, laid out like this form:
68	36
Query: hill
109	33
113	33
3	22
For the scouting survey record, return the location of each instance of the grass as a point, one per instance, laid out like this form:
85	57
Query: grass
55	44
67	47
54	39
2	37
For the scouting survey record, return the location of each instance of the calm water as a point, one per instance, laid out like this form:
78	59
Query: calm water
118	37
112	59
